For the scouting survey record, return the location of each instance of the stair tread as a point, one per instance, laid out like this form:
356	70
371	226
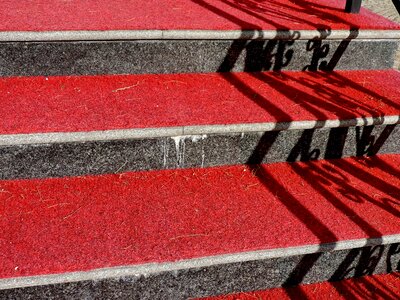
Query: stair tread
83	223
54	15
95	103
367	287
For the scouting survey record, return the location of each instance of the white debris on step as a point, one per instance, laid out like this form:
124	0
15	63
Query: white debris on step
180	147
165	151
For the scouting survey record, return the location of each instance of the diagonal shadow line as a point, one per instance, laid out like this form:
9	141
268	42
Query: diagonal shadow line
252	94
316	4
309	102
368	258
363	89
277	81
368	287
343	46
396	4
279	84
376	182
296	276
351	103
227	16
298	209
375	284
336	141
358	290
256	10
316	179
292	204
376	161
366	143
394	249
262	18
299	273
239	46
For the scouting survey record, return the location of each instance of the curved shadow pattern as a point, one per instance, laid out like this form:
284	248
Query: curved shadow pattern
274	55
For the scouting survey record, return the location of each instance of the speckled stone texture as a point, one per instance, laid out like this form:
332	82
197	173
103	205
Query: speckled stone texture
74	159
397	59
385	8
228	278
139	57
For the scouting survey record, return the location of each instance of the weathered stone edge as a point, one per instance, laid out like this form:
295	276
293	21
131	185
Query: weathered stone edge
139	133
154	268
110	35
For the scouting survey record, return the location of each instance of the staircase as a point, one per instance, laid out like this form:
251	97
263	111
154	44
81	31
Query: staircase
196	148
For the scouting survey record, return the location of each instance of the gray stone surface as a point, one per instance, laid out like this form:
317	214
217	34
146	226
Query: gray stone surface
176	56
387	9
227	278
397	59
73	159
384	8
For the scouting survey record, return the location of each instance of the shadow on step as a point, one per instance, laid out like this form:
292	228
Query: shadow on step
274	55
370	288
317	94
274	12
332	180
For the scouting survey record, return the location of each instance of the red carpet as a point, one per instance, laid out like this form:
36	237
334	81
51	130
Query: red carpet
82	103
50	15
71	224
385	287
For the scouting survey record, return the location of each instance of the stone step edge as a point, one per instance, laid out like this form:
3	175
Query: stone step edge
193	130
154	268
111	35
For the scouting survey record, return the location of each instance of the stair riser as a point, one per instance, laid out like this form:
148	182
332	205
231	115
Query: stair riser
115	156
225	278
191	56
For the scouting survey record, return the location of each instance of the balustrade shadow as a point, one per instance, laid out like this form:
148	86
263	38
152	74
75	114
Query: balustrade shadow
396	4
330	180
390	266
377	161
367	287
334	173
274	55
360	289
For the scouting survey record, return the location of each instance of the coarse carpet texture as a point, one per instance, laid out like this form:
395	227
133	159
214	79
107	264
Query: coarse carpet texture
89	103
82	223
55	15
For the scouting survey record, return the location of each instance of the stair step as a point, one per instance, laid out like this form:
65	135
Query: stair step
197	36
139	232
198	54
182	14
238	185
385	287
66	126
97	103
